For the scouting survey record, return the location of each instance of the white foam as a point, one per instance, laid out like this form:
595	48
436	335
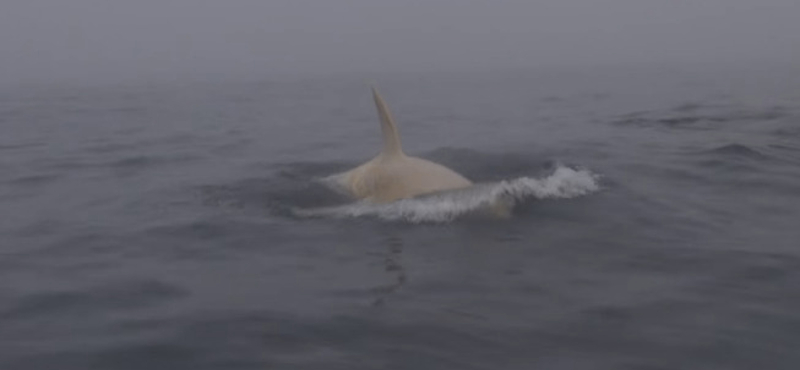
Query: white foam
446	206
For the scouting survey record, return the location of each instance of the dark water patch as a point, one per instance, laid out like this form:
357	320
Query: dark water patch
676	260
135	162
34	180
130	130
124	295
785	147
27	145
753	273
688	107
698	117
756	181
770	114
309	170
211	231
679	325
263	194
667	175
787	152
788	132
134	165
296	184
193	342
200	230
176	139
243	193
67	162
213	238
731	158
75	244
232	147
688	122
107	148
40	228
686	333
154	355
568	211
728	165
344	342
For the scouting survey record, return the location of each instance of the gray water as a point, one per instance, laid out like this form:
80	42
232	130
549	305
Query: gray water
150	226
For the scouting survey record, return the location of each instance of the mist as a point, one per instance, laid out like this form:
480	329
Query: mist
93	40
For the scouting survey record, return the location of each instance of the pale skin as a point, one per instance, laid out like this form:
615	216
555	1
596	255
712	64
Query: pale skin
393	175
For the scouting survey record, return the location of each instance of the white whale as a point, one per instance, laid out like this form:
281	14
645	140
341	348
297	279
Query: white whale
393	175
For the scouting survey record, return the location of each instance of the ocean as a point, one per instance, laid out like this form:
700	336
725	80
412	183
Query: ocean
183	225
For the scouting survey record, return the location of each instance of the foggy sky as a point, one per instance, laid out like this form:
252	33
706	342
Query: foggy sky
43	40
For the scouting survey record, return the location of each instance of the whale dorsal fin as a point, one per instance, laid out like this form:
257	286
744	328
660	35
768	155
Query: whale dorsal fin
391	139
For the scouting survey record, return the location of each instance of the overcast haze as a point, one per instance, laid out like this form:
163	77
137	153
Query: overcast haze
94	40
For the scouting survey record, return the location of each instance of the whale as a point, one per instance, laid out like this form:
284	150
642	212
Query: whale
392	175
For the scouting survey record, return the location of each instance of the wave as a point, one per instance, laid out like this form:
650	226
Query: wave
738	150
703	117
497	198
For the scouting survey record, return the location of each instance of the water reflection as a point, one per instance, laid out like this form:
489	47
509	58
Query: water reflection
393	266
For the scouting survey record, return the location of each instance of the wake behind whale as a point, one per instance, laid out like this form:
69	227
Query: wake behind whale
478	200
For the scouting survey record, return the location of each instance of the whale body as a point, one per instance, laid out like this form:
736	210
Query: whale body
393	175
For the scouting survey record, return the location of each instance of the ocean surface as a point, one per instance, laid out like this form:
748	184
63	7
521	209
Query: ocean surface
171	225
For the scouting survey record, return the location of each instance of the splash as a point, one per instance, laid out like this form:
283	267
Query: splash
496	198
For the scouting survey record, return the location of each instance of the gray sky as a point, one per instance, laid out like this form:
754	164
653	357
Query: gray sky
43	40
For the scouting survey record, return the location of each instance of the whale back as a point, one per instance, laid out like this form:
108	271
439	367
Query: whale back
387	180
